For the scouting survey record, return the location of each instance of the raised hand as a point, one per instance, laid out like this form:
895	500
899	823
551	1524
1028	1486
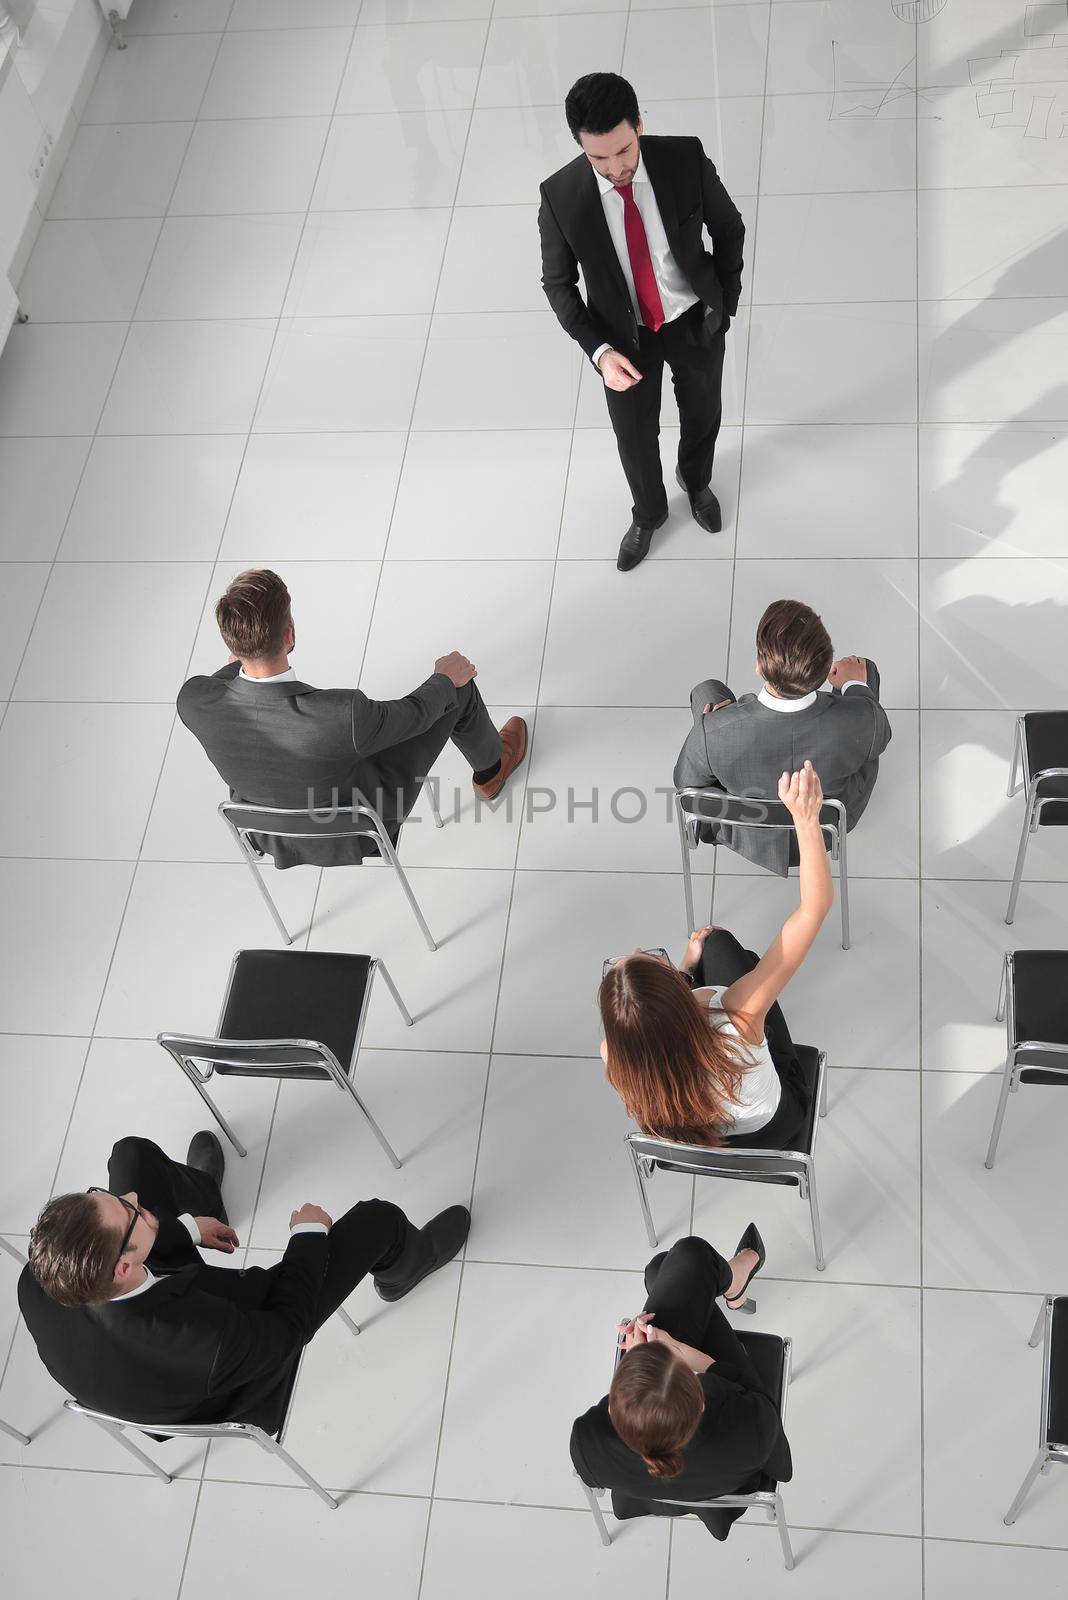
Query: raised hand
802	794
849	669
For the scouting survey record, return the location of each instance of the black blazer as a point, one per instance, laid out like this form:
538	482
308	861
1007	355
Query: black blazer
739	1447
276	744
203	1344
574	235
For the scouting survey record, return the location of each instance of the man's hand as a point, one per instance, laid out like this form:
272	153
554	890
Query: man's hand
310	1213
456	668
717	707
215	1235
850	669
617	371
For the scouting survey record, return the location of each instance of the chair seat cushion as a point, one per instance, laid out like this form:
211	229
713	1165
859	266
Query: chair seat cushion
296	994
1058	1374
1046	734
1040	981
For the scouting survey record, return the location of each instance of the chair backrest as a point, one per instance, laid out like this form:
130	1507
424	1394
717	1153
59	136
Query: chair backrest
749	811
252	1058
327	822
723	1162
166	1430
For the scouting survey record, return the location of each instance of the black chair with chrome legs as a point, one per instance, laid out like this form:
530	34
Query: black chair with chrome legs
249	824
288	1014
772	1355
1040	749
796	1167
1032	1001
269	1439
5	1427
1052	1328
695	808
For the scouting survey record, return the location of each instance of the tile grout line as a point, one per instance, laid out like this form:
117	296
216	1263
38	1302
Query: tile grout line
919	837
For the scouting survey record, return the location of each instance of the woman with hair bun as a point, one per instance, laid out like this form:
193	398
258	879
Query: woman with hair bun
687	1416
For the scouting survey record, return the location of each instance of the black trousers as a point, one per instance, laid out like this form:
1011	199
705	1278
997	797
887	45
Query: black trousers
722	961
694	354
682	1288
370	1237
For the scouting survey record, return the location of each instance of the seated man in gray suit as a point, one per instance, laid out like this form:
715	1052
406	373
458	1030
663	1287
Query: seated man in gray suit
742	746
279	742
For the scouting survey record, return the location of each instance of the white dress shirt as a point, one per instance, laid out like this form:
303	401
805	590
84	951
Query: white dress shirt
775	702
279	677
676	296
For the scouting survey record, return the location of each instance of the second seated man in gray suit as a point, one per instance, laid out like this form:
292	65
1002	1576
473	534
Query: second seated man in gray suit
280	742
742	746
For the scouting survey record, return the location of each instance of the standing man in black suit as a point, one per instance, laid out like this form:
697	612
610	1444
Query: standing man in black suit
630	213
129	1320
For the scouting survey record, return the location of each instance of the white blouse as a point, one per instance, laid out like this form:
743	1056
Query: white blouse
759	1089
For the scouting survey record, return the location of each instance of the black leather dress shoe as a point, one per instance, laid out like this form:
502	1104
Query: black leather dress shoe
703	505
205	1154
635	545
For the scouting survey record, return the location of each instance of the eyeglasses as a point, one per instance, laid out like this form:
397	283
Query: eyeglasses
658	953
134	1215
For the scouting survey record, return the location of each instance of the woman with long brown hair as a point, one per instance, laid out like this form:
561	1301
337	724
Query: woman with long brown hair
701	1052
688	1416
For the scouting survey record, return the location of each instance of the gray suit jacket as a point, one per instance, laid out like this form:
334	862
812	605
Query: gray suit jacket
744	748
289	745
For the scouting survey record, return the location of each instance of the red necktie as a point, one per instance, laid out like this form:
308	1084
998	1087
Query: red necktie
641	262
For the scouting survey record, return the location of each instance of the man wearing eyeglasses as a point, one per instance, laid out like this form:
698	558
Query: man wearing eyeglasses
130	1321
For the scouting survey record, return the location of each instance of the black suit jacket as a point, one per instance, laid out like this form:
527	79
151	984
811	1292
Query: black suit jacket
290	745
202	1344
739	1447
574	235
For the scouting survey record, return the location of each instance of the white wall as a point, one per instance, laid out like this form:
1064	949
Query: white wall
43	90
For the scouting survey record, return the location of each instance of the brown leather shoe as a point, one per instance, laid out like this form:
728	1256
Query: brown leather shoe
513	749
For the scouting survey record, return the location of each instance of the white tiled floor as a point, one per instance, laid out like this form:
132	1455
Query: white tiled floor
286	310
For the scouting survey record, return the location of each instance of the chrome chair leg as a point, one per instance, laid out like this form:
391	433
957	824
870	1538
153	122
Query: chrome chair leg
392	987
784	1534
276	1449
999	1115
1021	853
430	787
1014	765
128	1444
687	878
195	1080
394	1159
823	1091
598	1515
814	1213
643	1200
5	1427
272	908
999	1014
391	856
353	1327
1032	1473
843	889
1040	1322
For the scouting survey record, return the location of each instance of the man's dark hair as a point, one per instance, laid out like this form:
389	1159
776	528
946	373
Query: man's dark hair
253	615
598	103
794	651
73	1250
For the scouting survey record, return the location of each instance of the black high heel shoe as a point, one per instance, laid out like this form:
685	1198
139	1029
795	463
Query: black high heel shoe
750	1240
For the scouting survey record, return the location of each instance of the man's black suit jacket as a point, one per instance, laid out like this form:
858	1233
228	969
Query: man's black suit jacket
202	1344
575	234
738	1447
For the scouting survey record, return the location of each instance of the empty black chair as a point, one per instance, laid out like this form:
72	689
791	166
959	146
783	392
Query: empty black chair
1032	999
1040	743
288	1014
1052	1328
